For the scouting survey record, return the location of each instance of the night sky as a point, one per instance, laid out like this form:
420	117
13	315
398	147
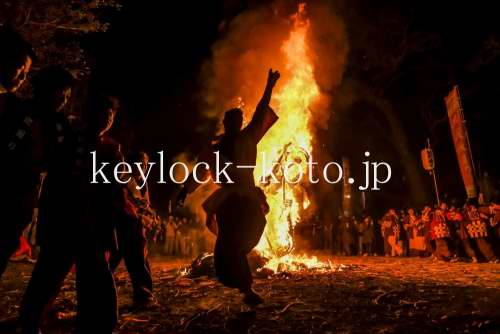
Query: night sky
152	55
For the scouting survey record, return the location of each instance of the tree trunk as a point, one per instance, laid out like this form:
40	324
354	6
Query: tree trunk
410	163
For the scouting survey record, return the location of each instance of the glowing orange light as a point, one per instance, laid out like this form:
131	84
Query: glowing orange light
290	139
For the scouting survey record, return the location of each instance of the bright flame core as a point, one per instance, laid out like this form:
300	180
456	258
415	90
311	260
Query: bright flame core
289	142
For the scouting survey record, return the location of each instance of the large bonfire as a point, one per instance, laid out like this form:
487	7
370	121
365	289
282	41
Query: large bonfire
289	144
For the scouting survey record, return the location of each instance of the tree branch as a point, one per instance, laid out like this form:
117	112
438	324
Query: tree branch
57	26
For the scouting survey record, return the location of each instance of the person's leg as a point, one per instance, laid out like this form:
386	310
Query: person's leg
96	291
329	244
347	247
169	245
226	262
241	224
133	247
387	247
53	265
172	246
392	243
178	245
442	250
485	248
469	250
458	249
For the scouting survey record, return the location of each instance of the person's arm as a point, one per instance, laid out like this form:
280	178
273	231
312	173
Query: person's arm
264	117
272	79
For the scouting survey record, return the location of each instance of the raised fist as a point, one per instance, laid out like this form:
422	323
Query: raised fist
272	77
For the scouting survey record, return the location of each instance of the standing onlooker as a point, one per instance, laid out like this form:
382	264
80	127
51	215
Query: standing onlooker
477	229
360	230
392	232
368	235
130	231
385	232
459	234
413	226
170	229
426	231
347	235
441	234
328	236
407	232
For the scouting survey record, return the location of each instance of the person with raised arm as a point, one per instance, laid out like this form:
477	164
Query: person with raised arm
236	211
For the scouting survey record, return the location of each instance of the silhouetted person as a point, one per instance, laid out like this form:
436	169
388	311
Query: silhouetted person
170	229
477	229
441	234
347	232
387	225
67	233
131	236
368	235
460	236
19	145
238	209
328	236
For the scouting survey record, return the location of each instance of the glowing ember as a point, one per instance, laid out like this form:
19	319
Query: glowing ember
289	141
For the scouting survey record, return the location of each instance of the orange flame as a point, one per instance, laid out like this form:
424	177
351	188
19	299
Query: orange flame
289	141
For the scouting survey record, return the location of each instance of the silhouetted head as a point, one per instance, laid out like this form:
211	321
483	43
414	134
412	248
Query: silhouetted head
52	87
16	57
101	112
473	201
233	120
139	157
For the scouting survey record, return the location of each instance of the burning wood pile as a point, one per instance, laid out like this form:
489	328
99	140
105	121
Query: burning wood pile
203	266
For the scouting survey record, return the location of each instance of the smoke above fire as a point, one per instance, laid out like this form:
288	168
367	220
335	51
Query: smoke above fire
252	43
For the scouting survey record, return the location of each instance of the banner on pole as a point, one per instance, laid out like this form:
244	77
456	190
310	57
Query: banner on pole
460	139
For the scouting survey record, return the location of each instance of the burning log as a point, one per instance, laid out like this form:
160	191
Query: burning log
203	265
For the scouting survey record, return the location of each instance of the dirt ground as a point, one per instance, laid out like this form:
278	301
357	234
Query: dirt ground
362	295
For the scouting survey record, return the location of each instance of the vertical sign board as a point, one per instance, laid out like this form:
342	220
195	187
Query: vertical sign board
459	134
